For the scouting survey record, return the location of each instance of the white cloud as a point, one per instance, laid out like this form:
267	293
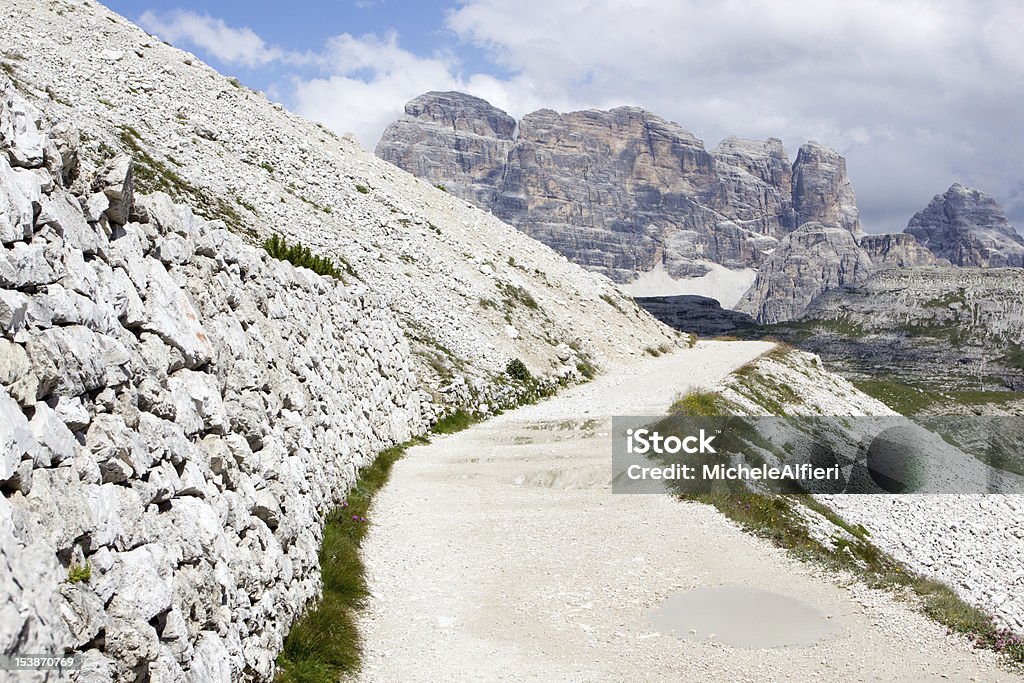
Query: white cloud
241	46
917	94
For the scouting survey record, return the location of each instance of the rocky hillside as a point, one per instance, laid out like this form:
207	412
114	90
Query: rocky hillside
968	228
469	292
179	410
621	192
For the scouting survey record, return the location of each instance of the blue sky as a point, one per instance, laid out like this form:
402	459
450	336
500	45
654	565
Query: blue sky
917	94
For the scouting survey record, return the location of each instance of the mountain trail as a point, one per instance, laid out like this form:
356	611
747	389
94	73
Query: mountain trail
500	554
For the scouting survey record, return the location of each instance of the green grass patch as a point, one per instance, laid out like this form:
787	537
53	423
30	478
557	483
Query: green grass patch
362	189
455	422
324	643
699	404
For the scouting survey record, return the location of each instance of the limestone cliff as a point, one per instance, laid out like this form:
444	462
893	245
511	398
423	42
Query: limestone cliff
968	228
809	261
897	250
624	191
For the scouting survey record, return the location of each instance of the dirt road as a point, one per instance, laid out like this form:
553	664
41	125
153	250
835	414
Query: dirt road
500	554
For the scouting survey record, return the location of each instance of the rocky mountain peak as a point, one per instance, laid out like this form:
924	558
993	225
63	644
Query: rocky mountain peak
624	191
821	189
969	228
462	113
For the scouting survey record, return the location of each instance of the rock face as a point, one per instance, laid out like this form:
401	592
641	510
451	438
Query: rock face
968	228
953	328
821	189
621	191
809	261
897	250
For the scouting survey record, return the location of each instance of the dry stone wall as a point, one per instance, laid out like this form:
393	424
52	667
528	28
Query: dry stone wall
177	412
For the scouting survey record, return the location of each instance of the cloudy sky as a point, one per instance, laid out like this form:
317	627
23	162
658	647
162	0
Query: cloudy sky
917	94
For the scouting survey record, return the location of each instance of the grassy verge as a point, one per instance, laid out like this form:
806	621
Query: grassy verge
324	643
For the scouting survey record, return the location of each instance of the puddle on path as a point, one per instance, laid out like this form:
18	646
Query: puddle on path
742	617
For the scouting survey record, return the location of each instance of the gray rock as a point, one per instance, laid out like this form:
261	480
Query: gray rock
53	435
82	611
821	189
64	214
968	228
26	265
13	309
622	191
143	584
19	129
16	211
71	411
898	250
115	181
171	316
808	261
16	440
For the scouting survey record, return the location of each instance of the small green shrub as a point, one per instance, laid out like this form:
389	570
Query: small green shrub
586	368
518	371
441	187
362	189
80	573
300	255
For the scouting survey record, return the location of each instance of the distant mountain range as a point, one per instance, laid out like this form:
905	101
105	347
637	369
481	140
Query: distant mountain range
626	193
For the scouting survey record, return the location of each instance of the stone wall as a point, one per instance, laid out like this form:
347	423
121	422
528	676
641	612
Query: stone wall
177	412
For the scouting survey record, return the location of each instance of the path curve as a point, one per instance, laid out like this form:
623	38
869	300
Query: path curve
500	554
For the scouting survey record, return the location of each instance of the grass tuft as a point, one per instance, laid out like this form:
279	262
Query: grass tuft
699	404
455	422
80	573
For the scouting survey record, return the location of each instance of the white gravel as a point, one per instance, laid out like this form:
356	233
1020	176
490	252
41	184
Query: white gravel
501	554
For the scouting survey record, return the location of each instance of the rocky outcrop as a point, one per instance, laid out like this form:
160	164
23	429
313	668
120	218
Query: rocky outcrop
821	189
897	250
968	228
808	261
622	191
944	327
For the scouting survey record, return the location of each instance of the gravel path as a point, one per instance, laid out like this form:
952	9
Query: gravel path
499	554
